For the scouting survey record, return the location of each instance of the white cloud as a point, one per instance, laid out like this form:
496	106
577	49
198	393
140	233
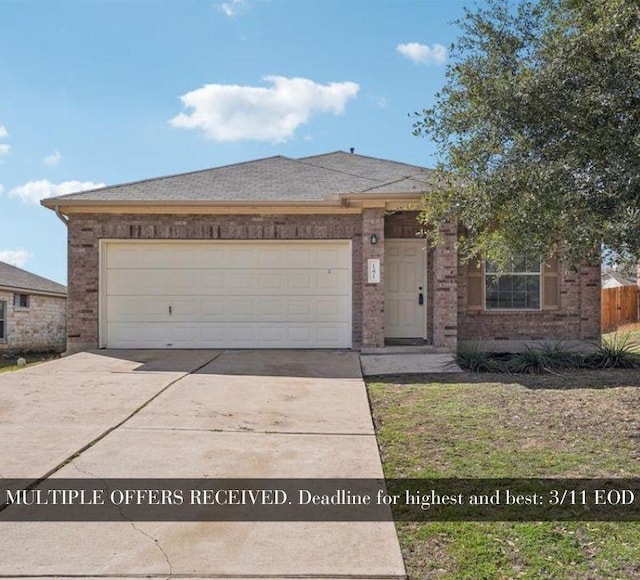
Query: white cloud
4	148
1	189
3	132
421	53
53	159
16	257
234	112
233	8
34	191
382	102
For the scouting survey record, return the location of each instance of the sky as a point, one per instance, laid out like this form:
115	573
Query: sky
99	92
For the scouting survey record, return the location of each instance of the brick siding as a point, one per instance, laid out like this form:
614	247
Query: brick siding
576	318
86	230
447	317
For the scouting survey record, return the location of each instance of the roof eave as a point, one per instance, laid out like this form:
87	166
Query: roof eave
53	202
25	290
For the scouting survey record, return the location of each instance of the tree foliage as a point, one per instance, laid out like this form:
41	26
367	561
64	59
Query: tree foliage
538	130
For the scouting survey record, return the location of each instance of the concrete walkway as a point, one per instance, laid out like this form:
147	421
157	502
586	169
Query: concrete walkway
193	414
408	363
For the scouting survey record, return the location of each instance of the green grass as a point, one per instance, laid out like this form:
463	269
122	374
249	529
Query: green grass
9	364
582	424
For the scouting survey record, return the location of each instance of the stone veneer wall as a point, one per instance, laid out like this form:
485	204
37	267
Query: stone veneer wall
41	327
576	318
86	230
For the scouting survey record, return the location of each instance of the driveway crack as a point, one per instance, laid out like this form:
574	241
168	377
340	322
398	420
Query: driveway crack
155	541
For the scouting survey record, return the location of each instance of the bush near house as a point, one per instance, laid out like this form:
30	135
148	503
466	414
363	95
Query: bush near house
617	350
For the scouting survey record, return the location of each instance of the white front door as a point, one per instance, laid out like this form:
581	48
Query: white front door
405	298
223	294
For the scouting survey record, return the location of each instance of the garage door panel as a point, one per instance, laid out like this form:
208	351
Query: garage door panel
236	335
135	309
222	310
219	282
152	282
332	257
232	295
151	256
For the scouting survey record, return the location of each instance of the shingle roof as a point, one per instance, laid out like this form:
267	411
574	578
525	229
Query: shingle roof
271	179
613	279
16	278
382	170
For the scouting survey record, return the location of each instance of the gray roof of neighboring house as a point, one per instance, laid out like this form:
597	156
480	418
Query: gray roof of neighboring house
613	279
18	279
278	179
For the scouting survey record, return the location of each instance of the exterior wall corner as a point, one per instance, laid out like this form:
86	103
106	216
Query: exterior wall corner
372	294
445	288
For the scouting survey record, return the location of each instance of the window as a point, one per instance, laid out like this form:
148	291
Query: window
516	288
21	300
3	318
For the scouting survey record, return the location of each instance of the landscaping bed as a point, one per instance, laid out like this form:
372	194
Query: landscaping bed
576	424
617	350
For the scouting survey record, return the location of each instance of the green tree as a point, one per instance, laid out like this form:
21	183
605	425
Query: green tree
538	130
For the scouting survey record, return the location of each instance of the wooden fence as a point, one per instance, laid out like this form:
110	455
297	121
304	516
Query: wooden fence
619	307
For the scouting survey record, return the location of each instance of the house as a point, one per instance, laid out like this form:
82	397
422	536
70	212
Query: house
613	279
33	312
317	252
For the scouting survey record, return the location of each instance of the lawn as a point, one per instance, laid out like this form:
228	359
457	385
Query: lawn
578	424
9	364
631	331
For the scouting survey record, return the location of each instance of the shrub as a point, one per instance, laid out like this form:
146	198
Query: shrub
473	358
558	355
530	360
615	351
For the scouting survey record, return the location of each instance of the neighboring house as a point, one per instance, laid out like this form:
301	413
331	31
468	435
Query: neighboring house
613	279
318	252
33	312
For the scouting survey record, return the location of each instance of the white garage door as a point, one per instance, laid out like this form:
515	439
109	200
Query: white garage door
226	294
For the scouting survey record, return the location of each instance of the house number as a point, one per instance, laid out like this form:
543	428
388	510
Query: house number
373	271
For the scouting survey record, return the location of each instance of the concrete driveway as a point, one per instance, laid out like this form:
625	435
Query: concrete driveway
193	414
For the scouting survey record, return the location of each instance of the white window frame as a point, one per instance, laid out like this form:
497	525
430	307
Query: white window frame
492	273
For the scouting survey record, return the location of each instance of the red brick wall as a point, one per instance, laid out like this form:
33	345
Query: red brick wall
445	297
373	294
85	232
577	318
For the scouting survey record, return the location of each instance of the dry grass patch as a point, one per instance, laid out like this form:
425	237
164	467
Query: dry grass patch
580	424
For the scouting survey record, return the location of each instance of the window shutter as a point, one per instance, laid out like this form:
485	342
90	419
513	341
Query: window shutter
475	282
550	285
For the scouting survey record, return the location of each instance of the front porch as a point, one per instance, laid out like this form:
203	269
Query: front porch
415	301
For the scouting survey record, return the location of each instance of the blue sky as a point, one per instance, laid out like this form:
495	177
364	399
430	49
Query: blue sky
104	92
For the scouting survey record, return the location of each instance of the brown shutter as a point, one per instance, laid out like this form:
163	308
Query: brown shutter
550	285
475	283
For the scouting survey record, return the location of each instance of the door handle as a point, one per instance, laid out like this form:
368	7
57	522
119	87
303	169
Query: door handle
170	310
420	297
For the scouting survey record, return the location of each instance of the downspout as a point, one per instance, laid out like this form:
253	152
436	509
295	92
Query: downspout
64	219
